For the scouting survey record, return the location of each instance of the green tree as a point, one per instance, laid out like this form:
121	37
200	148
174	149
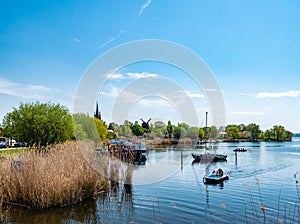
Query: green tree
85	124
169	129
158	128
201	134
192	132
214	132
137	129
112	126
124	129
254	129
233	131
180	131
278	134
101	128
39	123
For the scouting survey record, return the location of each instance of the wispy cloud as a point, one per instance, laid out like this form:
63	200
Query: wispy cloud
247	113
76	40
117	36
194	94
27	91
130	75
291	93
144	7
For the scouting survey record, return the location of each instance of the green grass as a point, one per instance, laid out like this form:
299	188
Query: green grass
13	151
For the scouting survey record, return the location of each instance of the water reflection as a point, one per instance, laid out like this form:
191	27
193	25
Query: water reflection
84	212
184	198
110	207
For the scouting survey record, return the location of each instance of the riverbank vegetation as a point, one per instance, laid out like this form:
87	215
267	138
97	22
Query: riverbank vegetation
41	124
53	177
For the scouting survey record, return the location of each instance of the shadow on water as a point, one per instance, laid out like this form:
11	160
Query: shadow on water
108	207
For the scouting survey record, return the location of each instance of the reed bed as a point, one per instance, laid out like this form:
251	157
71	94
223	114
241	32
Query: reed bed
56	176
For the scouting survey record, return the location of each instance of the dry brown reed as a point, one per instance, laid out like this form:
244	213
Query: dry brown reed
56	176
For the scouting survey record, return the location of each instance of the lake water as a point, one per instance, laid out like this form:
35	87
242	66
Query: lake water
169	189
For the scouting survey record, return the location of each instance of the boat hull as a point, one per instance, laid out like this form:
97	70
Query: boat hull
214	179
209	157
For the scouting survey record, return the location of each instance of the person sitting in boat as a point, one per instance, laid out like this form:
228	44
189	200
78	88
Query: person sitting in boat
219	172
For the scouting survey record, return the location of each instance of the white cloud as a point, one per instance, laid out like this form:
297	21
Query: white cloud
291	93
144	7
26	91
115	76
136	75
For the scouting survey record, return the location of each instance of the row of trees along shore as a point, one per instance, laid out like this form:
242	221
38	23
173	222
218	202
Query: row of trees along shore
42	124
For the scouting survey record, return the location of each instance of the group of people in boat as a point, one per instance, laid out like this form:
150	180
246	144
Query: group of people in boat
240	150
219	172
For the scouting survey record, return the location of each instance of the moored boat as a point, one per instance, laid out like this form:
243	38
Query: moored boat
209	157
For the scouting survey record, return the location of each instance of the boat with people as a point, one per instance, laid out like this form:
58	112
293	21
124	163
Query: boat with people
240	150
216	177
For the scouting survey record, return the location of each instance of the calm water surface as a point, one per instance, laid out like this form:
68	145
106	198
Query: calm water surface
169	189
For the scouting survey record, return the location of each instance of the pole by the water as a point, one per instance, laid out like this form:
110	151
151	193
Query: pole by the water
181	160
235	158
205	130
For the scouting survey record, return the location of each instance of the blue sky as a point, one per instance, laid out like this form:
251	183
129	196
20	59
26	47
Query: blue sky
252	47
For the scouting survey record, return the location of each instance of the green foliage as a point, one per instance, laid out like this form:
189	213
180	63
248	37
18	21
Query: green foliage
180	131
278	134
39	123
86	128
214	132
124	129
254	130
169	129
137	129
101	128
192	132
233	131
201	134
112	126
158	128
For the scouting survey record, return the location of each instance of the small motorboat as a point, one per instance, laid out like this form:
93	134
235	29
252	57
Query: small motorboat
240	150
215	179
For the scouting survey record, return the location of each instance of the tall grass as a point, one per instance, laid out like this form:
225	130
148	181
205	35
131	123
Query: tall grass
56	176
285	215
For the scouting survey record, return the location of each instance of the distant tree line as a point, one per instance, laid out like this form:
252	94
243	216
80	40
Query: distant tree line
42	124
250	132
